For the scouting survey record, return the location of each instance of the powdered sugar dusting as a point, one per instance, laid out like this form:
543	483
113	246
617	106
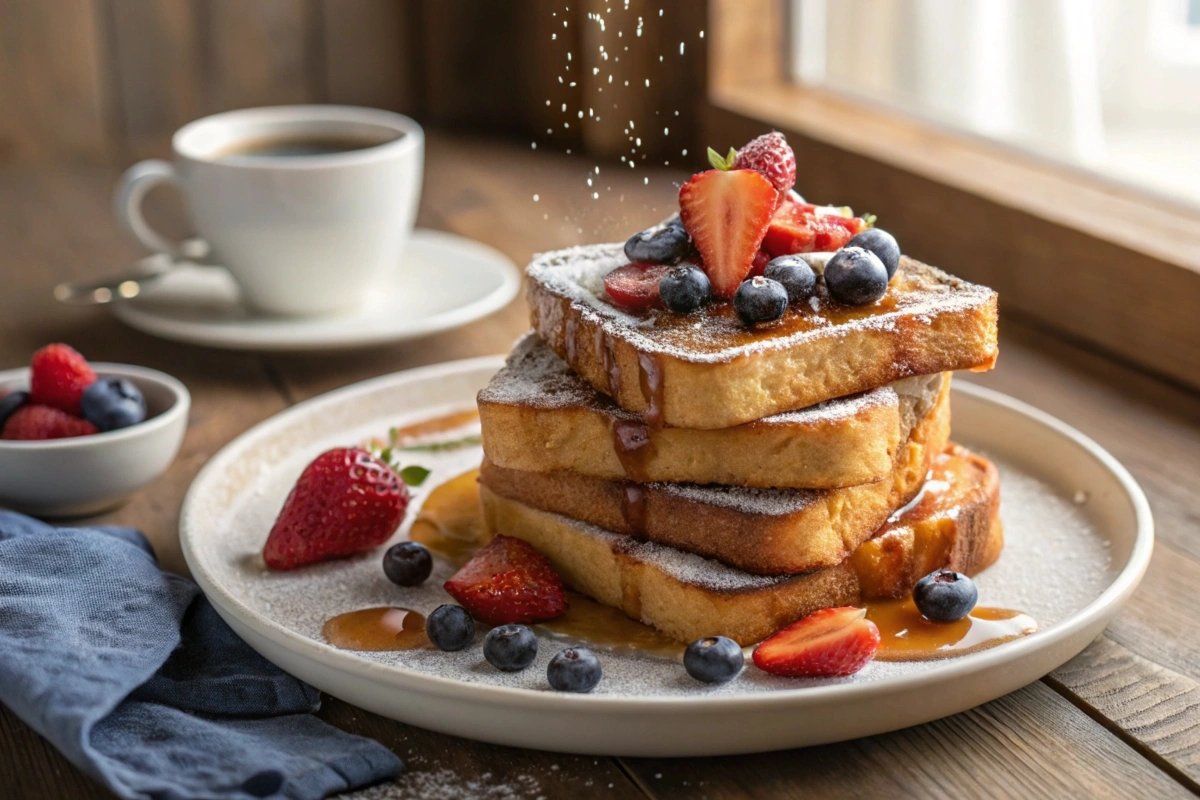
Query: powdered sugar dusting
761	502
577	274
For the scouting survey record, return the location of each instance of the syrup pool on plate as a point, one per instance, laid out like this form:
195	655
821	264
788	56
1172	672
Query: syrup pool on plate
377	629
904	635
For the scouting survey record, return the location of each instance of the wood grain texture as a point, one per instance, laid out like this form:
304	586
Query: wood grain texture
55	103
1076	253
1031	743
264	53
368	48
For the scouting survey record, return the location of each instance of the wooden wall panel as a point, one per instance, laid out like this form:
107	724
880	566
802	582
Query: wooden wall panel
268	52
369	53
54	97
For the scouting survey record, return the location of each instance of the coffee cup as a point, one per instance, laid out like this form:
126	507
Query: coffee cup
308	207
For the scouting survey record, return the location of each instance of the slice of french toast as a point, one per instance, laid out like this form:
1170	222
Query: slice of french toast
956	525
538	415
708	370
762	531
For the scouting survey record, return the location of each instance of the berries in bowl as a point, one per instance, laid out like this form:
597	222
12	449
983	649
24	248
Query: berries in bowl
78	438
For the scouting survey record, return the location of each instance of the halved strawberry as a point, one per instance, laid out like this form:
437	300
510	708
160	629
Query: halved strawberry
802	228
634	287
508	581
827	643
727	214
345	501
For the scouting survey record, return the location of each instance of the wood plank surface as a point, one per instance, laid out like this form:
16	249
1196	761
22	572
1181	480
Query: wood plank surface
1120	720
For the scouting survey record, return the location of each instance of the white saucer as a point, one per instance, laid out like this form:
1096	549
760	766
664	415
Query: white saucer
450	281
1078	539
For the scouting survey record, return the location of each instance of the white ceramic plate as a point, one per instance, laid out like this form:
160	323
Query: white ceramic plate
448	281
1078	530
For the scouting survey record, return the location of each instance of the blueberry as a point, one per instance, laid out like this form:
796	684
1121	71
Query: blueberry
407	563
575	669
945	596
668	244
685	289
760	300
112	403
510	648
713	659
882	244
795	274
855	276
10	403
450	627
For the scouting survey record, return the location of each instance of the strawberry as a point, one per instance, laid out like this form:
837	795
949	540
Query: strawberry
727	212
634	287
345	501
508	581
805	228
771	155
759	266
828	643
58	377
34	422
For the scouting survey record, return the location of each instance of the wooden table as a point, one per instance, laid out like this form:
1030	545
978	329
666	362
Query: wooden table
1121	720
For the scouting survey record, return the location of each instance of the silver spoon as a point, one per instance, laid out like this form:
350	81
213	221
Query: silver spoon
126	285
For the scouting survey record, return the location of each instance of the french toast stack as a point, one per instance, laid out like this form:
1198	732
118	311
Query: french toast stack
713	477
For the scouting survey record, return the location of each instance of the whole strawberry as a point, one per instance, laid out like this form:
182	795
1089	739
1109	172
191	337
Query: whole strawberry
344	502
58	377
508	582
771	155
33	422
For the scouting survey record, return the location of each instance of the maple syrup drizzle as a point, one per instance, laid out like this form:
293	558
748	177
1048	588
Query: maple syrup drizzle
438	425
450	522
571	336
633	508
651	381
599	625
904	635
608	348
377	629
634	447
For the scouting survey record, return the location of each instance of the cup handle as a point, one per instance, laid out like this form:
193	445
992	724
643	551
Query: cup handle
127	201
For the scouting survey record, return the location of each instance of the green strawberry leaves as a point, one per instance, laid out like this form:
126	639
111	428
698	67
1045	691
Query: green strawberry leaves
723	163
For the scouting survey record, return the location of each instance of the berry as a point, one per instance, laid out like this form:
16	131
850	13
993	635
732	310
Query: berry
58	377
575	669
760	300
713	659
855	277
827	643
112	403
508	581
450	627
10	402
510	648
945	596
32	422
634	287
666	244
799	227
771	155
761	259
407	564
727	214
685	289
882	244
344	502
795	275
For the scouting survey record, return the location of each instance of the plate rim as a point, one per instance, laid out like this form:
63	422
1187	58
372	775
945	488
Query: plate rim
268	339
1123	584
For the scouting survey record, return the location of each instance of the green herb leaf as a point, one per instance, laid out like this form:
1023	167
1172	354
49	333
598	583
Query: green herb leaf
437	447
869	219
414	475
720	162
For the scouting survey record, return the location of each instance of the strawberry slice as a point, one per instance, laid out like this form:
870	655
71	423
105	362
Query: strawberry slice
759	266
508	581
345	501
802	228
634	287
827	643
727	213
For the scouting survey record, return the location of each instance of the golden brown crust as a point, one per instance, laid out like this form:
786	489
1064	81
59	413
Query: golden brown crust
758	374
627	575
780	532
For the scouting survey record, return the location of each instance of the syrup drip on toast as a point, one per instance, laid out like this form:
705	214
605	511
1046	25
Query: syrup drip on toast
651	381
907	636
633	508
377	629
634	447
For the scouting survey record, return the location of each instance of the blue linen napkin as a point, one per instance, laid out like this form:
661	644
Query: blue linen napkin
131	674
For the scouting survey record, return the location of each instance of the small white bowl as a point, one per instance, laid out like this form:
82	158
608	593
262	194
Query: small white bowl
85	475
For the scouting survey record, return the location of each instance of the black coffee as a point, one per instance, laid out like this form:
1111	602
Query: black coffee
299	146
